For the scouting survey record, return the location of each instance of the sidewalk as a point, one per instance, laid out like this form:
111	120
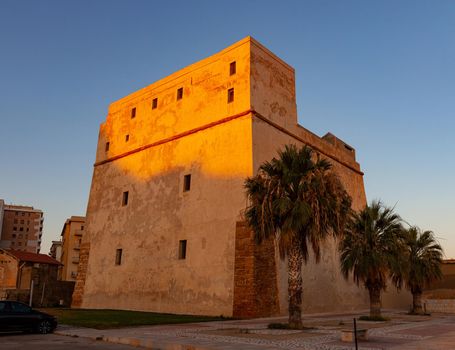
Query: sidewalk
323	333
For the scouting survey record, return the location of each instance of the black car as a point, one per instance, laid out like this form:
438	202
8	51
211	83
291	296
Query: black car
16	316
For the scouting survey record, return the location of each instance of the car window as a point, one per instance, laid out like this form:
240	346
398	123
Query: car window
2	306
19	307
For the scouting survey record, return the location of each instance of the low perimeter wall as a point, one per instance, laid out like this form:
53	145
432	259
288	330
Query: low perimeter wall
439	305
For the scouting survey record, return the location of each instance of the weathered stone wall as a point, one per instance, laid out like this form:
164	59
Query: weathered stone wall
255	279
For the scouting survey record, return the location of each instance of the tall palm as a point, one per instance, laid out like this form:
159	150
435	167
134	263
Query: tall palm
370	250
424	263
297	199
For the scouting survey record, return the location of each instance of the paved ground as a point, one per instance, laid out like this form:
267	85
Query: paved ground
55	342
322	333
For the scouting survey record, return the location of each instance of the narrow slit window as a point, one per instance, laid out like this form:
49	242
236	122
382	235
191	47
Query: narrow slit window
179	93
127	138
125	198
232	68
230	97
133	112
182	249
187	183
118	256
155	103
107	146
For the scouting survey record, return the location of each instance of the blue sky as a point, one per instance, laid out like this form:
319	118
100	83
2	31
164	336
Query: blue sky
378	74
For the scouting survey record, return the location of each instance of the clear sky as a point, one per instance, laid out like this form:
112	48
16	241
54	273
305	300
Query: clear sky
378	74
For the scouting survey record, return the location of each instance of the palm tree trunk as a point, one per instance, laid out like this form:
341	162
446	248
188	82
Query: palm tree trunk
417	302
375	301
295	261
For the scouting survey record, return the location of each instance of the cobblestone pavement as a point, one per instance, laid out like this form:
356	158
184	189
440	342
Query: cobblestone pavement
322	332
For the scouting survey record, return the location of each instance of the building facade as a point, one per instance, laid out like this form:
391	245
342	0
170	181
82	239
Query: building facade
72	233
165	230
21	227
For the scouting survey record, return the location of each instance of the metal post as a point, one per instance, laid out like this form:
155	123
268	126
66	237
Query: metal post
355	334
31	294
42	294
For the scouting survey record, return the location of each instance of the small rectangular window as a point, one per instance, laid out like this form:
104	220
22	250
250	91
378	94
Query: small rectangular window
230	97
107	146
187	183
232	68
82	228
125	198
179	93
118	257
127	138
154	103
21	229
182	249
133	112
14	228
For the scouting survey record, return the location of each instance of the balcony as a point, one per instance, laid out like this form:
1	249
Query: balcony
78	232
75	260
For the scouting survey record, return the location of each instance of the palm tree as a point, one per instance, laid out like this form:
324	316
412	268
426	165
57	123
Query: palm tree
424	263
299	201
370	250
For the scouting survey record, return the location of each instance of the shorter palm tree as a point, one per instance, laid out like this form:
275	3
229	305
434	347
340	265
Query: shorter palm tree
424	263
370	249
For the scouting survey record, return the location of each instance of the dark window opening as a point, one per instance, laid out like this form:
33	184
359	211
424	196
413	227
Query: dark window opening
232	68
179	93
186	183
82	228
182	249
133	113
125	198
107	146
231	95
118	256
127	138
154	103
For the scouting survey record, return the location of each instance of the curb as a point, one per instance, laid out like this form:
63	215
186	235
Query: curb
137	342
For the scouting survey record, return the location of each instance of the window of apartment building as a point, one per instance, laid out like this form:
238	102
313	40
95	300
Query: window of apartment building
232	68
23	214
127	138
118	257
155	103
20	243
107	146
20	236
187	183
14	235
14	228
125	198
82	227
16	213
179	93
26	230
182	249
230	95
133	112
21	229
22	222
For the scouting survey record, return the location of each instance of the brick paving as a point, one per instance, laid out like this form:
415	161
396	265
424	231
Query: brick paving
322	332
